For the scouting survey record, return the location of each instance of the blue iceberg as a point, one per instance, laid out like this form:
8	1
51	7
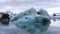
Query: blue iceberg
31	20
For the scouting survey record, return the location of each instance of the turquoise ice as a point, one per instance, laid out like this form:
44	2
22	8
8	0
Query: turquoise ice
25	13
31	20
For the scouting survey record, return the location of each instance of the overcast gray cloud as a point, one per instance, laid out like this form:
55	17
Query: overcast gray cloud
18	5
38	3
30	0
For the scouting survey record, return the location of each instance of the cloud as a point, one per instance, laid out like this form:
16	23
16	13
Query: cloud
30	0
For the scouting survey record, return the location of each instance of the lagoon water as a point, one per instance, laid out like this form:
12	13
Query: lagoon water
54	28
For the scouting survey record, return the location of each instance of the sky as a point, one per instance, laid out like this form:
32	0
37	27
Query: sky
51	6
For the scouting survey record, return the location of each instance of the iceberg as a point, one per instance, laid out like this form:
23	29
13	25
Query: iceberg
31	20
